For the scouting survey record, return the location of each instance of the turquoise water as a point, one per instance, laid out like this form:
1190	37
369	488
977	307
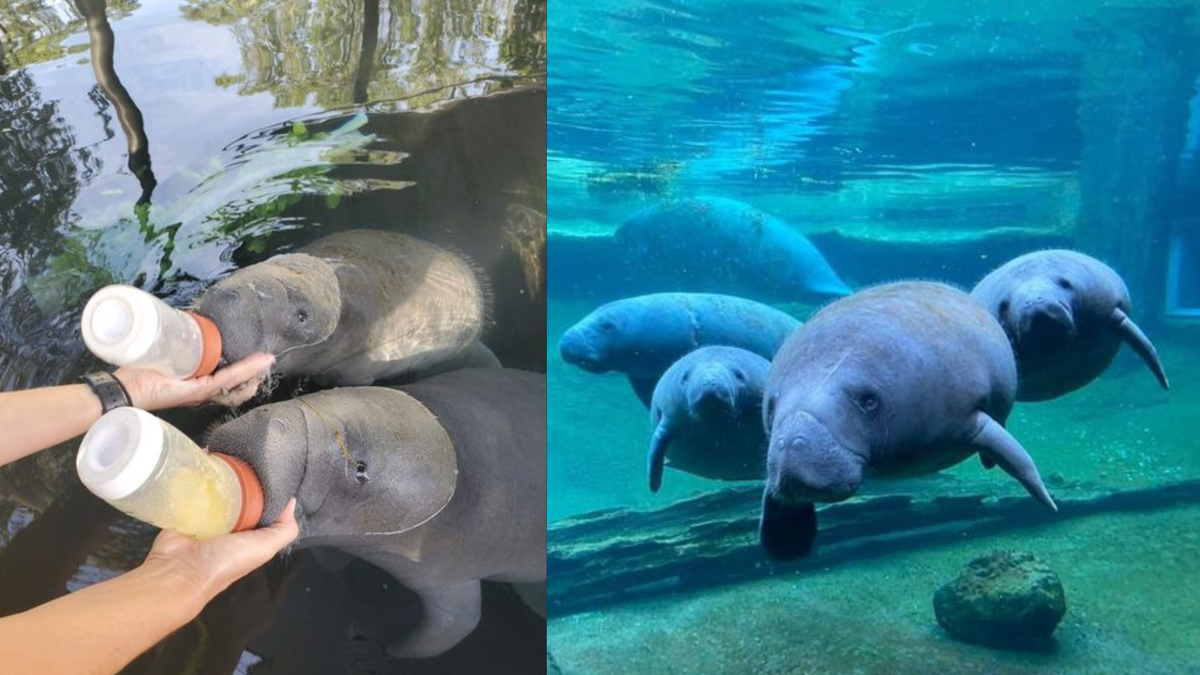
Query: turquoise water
906	141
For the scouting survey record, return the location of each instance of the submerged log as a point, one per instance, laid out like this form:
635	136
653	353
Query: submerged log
615	556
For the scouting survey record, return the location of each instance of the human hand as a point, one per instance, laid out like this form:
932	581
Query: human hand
232	385
209	566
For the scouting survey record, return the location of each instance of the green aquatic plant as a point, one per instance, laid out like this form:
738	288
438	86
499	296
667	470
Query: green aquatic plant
240	201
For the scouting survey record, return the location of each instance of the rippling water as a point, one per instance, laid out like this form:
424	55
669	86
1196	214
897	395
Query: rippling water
164	144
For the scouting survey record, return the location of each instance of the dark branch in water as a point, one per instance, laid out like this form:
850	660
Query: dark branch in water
100	34
366	59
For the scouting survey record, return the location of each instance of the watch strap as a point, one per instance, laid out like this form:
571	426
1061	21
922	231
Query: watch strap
109	390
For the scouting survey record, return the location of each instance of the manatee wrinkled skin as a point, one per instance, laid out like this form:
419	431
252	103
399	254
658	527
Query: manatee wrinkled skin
441	483
897	380
719	244
1066	315
352	308
640	337
707	416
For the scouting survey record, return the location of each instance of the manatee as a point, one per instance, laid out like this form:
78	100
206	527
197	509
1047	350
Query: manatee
352	308
722	245
642	336
1066	315
707	416
894	381
441	483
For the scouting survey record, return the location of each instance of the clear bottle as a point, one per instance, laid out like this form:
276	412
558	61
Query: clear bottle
155	473
124	325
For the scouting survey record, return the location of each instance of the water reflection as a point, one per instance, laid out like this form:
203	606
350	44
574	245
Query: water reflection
334	52
100	34
274	123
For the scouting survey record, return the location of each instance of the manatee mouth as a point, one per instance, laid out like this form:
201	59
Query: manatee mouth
582	357
273	440
713	402
805	463
1047	325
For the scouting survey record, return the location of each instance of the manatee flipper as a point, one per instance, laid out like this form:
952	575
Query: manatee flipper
1137	340
996	443
644	388
658	455
787	531
449	614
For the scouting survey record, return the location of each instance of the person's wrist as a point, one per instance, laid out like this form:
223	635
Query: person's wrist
192	589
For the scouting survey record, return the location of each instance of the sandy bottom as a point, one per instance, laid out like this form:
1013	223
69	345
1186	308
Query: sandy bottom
1133	596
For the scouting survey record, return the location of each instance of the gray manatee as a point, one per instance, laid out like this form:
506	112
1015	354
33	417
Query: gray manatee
707	416
441	483
353	308
1066	315
718	244
894	381
642	336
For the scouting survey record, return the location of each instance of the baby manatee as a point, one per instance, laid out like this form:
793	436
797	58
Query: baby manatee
1066	315
897	380
642	336
707	416
441	483
353	308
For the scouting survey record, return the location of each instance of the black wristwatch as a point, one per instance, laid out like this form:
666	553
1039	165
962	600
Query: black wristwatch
109	390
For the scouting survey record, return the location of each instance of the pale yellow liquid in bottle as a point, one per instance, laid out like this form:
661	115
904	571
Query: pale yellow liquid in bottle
189	491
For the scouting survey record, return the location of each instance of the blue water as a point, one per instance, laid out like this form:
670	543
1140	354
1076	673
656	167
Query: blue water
907	141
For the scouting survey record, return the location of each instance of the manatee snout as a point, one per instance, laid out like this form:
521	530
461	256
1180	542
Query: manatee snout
273	440
1045	320
278	306
806	463
712	393
579	350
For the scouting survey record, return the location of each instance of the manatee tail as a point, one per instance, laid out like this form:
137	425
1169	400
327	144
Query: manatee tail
1136	339
787	531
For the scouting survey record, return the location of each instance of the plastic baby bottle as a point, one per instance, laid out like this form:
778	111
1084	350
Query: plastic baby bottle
127	326
153	472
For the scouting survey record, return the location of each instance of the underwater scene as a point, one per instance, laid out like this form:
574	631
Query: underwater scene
873	337
169	145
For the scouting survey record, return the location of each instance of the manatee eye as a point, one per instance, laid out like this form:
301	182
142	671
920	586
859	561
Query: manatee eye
360	473
607	326
685	377
867	401
1064	283
741	377
302	315
1004	306
769	419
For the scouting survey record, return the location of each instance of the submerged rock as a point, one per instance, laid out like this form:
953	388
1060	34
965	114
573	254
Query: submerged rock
1006	599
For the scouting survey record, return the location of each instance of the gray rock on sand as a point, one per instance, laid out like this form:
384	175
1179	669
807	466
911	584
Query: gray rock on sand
1067	315
1006	599
354	308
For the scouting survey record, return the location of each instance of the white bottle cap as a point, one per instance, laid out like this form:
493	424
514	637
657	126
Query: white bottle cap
119	452
120	324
